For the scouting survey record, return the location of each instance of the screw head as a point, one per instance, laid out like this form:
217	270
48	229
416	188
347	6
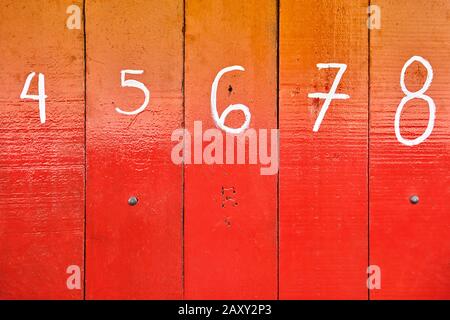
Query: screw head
414	199
132	201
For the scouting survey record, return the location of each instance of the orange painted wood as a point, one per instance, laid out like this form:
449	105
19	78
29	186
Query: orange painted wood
323	175
133	252
341	201
41	165
230	251
410	242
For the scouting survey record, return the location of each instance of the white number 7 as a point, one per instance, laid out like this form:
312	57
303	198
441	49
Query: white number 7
332	94
134	84
39	97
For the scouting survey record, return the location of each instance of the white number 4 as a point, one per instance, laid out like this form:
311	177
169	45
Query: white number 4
39	97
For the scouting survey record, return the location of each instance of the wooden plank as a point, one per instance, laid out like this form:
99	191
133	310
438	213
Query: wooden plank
41	164
134	252
230	245
410	242
323	175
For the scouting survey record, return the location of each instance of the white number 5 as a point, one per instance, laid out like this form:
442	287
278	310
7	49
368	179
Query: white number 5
134	84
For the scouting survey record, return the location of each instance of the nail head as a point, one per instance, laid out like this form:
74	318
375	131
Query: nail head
414	199
132	201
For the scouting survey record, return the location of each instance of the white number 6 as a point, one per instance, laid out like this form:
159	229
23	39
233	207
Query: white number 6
134	84
220	121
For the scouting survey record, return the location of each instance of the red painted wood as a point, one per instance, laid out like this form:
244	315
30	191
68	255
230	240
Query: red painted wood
410	242
133	252
323	175
230	211
230	252
41	165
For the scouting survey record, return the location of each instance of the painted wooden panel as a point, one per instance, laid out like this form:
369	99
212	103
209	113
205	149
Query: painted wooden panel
230	210
343	196
133	252
41	164
410	242
323	174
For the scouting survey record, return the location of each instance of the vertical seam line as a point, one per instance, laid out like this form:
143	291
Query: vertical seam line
368	140
85	148
183	90
278	155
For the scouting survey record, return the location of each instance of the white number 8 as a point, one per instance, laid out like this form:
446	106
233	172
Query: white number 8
416	95
220	121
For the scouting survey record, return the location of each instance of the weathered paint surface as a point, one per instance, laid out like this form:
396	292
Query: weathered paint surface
410	242
323	175
230	251
133	251
341	201
41	165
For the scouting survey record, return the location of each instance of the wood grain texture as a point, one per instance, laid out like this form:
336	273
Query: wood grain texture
230	251
343	193
134	252
323	175
410	242
41	165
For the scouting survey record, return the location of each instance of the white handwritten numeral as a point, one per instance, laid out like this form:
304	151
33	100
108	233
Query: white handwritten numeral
134	84
39	97
220	121
332	94
416	95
